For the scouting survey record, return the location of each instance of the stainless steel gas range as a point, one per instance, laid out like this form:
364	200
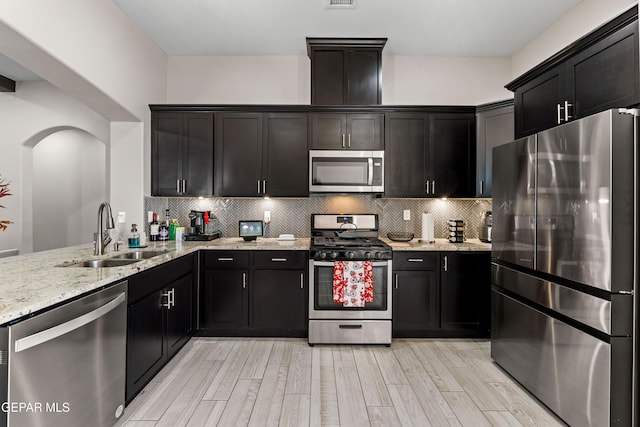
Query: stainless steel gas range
349	242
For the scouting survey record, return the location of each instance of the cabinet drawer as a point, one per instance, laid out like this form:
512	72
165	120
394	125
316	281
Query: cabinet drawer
226	260
156	278
415	260
280	260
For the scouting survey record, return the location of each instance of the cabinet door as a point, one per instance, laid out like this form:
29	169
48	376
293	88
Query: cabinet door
466	292
238	154
285	160
364	131
406	137
225	302
362	69
166	154
452	152
198	154
536	103
605	75
180	314
494	127
279	302
328	131
415	303
146	351
327	77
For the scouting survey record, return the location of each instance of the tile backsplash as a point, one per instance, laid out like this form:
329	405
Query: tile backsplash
294	215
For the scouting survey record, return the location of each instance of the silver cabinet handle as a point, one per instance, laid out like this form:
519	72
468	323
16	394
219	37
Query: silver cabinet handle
184	185
481	186
225	259
171	302
349	141
559	108
258	186
445	263
264	186
567	117
396	280
66	327
301	280
244	280
415	260
278	260
343	140
172	297
433	187
426	187
177	186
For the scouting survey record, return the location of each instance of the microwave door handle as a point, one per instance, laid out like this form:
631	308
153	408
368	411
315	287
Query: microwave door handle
370	161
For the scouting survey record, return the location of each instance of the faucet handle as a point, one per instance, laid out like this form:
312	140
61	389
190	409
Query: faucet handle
116	245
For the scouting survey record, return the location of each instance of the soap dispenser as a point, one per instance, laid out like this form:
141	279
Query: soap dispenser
134	237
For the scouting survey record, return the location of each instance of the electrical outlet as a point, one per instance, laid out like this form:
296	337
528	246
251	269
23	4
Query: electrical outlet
406	214
122	217
267	217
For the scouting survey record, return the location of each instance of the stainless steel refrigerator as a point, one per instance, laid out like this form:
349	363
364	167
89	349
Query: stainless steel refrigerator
564	261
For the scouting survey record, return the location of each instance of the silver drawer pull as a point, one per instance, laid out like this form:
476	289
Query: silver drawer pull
301	280
225	259
415	260
244	280
350	326
278	259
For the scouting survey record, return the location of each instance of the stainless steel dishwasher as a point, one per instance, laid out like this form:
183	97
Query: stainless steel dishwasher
66	366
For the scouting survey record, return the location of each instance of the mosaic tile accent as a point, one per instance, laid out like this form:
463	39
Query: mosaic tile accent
294	215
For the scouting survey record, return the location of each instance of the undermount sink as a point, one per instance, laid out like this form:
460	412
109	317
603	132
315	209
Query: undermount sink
138	255
101	263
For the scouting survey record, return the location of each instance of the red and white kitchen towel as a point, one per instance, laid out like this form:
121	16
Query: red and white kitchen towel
352	283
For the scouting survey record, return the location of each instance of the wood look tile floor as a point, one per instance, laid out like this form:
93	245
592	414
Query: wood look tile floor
284	382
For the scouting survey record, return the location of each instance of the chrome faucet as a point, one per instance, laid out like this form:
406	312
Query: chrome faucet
101	239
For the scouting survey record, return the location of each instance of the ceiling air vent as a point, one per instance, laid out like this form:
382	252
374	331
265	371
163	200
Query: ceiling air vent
342	4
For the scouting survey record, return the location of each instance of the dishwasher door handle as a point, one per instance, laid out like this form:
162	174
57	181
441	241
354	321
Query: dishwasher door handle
66	327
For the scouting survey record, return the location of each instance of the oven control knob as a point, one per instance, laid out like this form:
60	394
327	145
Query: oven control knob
379	255
334	255
368	255
322	255
350	255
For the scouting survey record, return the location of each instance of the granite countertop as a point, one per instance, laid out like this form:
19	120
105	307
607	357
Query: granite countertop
32	282
439	245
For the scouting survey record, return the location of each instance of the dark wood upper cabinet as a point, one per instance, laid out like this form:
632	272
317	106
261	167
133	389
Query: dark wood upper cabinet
430	155
597	72
452	155
494	124
348	131
346	71
181	154
255	151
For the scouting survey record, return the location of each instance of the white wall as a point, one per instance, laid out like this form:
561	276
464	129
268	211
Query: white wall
580	21
68	187
36	110
406	80
93	52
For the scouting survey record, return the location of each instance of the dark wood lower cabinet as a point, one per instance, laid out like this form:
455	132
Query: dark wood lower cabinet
448	300
254	293
160	319
465	289
416	308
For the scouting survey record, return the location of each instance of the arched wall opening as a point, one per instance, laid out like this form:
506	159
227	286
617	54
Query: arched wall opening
65	172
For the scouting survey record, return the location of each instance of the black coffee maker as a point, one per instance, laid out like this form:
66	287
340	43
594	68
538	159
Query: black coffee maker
200	226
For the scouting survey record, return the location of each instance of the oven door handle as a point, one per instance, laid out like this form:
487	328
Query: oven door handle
330	263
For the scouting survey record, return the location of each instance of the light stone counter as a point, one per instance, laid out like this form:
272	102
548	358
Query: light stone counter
32	282
439	245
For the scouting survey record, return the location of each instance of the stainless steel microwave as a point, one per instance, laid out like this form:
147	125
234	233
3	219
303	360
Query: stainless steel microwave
346	171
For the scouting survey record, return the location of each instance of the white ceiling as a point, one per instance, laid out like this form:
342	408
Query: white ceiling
279	27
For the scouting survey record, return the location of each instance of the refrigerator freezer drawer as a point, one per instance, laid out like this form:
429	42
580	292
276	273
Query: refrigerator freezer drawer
613	317
585	381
